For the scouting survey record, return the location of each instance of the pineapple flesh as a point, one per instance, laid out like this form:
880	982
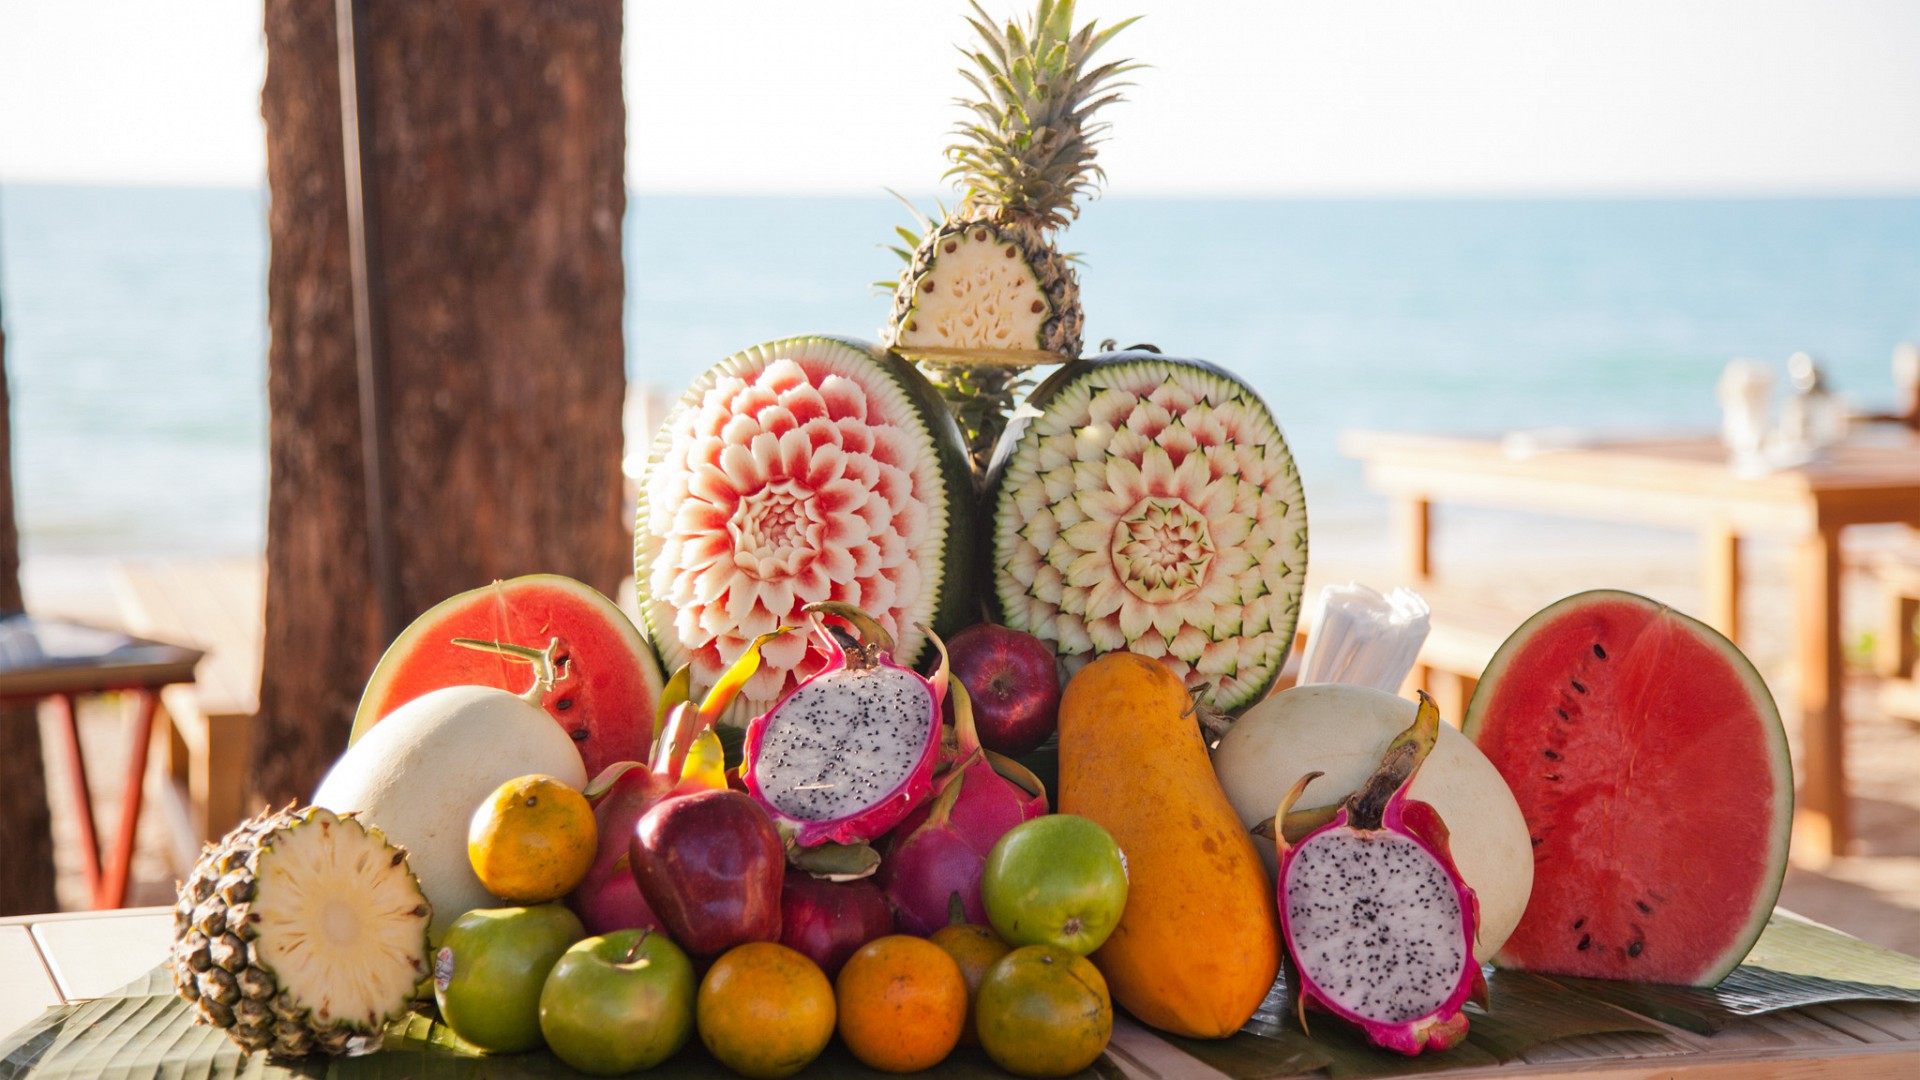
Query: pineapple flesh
987	293
301	932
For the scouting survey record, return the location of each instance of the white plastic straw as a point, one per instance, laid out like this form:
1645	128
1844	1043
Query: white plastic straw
1359	636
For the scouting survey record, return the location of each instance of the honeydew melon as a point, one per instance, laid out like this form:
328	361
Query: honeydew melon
1341	731
419	773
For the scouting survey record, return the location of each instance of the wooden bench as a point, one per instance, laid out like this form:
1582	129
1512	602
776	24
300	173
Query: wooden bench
1896	657
218	606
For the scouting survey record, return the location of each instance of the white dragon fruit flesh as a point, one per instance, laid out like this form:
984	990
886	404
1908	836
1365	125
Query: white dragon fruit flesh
844	756
1377	924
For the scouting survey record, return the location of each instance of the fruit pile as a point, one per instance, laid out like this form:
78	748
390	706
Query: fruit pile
892	601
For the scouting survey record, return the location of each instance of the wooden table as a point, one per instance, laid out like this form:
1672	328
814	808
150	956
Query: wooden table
49	959
1685	482
56	660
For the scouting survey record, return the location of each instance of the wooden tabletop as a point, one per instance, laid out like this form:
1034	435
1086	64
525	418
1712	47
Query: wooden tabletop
49	959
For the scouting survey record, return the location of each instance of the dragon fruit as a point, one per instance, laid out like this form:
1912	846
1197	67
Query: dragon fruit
850	751
1377	924
941	848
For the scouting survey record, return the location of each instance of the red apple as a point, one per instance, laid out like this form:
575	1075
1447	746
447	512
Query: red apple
710	865
608	898
1014	681
828	920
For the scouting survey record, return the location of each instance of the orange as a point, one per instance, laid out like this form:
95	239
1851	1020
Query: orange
974	948
764	1010
1044	1011
902	1002
532	839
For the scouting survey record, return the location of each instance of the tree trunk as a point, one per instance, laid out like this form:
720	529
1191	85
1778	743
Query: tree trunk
497	139
26	827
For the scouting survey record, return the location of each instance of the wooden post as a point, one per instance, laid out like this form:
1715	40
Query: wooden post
1823	827
1720	579
1413	526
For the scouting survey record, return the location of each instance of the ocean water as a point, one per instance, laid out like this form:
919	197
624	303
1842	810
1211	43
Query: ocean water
136	321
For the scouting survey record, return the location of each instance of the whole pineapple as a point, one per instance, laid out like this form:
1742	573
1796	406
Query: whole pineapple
299	932
986	293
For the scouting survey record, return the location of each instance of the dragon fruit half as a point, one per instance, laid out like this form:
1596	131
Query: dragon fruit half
847	753
1377	924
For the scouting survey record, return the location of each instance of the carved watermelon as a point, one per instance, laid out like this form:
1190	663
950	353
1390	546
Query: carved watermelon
1651	767
611	682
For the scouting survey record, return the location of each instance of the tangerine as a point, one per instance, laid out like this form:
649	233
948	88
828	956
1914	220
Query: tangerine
1044	1011
532	840
974	948
765	1010
902	1002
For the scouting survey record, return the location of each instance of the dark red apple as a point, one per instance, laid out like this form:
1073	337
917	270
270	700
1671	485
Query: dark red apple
710	866
608	898
829	920
1014	682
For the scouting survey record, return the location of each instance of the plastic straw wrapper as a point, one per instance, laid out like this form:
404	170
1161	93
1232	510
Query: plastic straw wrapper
1359	636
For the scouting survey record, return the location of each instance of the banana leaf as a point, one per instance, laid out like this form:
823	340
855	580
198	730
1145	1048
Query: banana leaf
1796	963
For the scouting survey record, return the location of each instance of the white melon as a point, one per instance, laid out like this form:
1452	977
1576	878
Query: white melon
1342	731
420	773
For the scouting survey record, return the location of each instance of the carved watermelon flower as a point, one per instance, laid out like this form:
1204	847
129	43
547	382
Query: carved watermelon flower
796	472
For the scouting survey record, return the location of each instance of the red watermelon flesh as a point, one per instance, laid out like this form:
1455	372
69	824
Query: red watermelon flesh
1650	764
611	688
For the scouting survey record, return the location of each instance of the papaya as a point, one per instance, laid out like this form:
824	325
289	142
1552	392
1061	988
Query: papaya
1198	946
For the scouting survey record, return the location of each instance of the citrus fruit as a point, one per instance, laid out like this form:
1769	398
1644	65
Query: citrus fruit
764	1010
1043	1011
902	1001
532	839
974	948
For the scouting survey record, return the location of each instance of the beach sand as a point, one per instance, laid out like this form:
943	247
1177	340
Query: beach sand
1515	562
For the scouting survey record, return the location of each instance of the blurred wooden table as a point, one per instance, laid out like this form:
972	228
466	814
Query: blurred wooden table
1685	482
47	960
59	661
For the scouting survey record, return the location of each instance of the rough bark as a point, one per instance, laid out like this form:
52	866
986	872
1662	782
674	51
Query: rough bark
26	826
498	137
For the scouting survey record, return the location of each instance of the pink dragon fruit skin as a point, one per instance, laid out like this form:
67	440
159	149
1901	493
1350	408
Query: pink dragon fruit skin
848	753
1406	995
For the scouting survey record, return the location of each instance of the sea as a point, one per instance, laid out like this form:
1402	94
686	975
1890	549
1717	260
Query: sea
136	331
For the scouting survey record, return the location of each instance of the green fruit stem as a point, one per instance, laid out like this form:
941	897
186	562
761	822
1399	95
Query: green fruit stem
544	675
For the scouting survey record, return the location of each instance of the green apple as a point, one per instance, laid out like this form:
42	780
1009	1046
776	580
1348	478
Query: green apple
1058	879
618	1003
490	967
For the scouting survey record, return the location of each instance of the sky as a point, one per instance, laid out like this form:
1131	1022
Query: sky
1243	97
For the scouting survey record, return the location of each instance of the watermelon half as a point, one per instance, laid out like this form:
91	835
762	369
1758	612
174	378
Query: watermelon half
1652	769
611	685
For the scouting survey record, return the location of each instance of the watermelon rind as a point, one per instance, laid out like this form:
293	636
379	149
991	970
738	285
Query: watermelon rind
1694	821
678	609
420	645
1099	541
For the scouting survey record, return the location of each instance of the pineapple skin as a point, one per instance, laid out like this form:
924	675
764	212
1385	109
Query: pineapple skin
215	966
1060	334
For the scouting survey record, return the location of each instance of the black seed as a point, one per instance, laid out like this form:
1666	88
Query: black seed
1563	714
563	704
1577	686
1642	904
1598	651
1585	940
1536	841
578	735
1634	949
1579	922
1552	755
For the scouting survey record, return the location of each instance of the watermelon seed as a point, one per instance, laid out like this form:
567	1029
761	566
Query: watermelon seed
563	704
1563	713
1585	940
1553	778
1642	904
1577	686
578	735
1634	949
1536	841
1579	922
1552	755
1598	651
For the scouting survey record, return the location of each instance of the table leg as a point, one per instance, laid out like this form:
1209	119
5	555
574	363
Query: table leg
1824	828
69	729
1720	577
113	891
1413	524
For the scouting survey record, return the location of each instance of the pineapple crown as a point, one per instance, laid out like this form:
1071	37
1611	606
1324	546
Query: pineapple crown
1028	146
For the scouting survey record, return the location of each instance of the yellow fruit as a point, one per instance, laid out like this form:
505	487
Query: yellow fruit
765	1010
1199	943
974	948
532	839
1044	1011
902	1001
